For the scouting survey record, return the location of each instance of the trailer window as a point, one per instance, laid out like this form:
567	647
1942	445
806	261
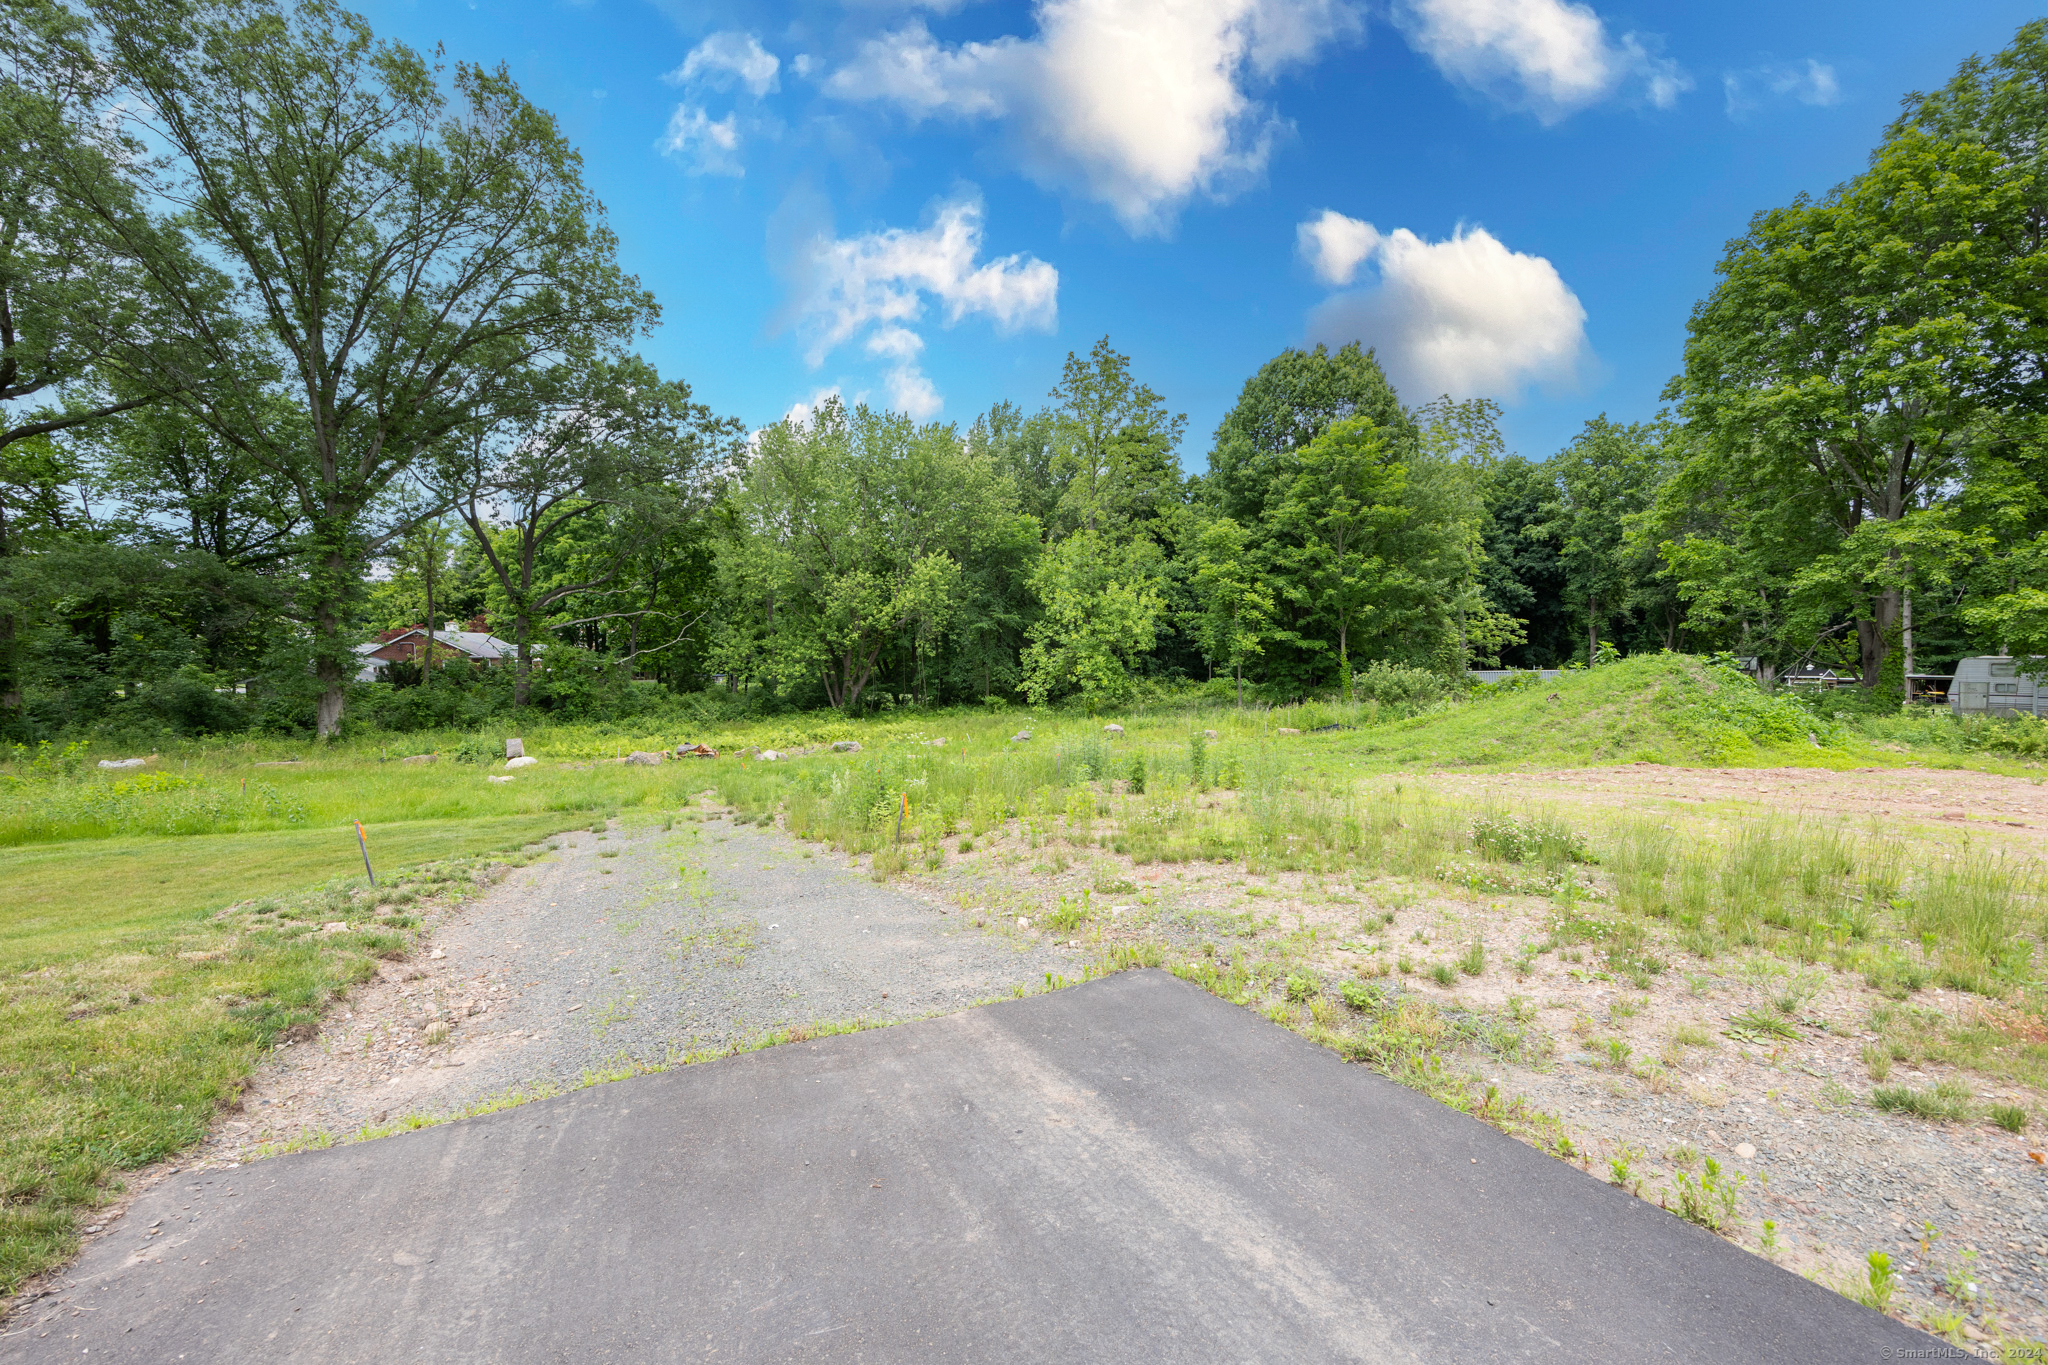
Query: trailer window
2006	689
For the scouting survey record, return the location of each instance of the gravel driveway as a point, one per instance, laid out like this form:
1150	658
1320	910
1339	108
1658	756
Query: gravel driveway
621	952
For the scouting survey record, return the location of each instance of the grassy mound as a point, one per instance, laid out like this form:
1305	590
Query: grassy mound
1659	708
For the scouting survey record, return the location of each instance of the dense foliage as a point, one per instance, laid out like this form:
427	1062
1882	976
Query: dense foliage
309	341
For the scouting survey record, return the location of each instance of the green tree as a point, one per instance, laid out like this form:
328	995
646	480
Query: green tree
1236	604
1102	608
1293	399
1856	355
1255	465
419	565
397	249
1520	575
607	442
1343	511
849	537
1023	449
1604	482
1114	444
70	293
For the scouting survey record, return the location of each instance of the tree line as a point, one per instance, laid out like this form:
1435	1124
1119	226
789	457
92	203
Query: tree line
306	336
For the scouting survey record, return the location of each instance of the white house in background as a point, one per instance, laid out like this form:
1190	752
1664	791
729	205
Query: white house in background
409	645
1996	684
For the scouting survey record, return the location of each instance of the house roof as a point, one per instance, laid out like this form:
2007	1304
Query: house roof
476	644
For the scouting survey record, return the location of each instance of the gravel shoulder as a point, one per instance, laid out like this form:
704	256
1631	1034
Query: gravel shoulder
619	953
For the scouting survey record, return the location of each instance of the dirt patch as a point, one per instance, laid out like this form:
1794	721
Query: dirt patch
1975	800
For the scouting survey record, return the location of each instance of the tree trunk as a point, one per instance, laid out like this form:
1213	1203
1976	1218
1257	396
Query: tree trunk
1906	638
327	656
1240	687
1592	629
333	576
521	678
327	715
427	672
1344	659
10	685
1873	635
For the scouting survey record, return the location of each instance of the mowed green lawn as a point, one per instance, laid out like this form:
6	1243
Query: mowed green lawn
88	896
129	1010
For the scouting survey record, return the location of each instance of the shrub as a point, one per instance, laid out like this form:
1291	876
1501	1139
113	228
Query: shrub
1400	688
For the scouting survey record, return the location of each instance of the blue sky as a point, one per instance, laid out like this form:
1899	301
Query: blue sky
928	205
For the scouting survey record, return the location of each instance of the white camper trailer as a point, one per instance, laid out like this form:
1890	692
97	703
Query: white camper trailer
1996	684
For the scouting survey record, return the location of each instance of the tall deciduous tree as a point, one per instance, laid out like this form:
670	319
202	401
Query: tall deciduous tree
1343	510
1293	399
399	248
1860	347
71	295
1603	483
1114	444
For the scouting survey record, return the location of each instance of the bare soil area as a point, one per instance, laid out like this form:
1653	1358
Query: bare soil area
1978	801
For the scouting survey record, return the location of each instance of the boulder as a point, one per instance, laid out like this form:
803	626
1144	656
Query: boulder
420	758
697	751
938	743
649	757
1112	729
1208	734
769	756
494	777
523	761
515	748
845	746
1020	737
122	762
1286	730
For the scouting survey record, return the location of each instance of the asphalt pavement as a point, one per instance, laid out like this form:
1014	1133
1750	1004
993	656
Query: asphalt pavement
1128	1170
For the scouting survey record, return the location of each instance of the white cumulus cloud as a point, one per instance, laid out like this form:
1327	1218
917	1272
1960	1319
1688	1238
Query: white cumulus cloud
1137	104
727	58
885	277
1547	57
1465	316
705	146
1808	82
880	284
1335	246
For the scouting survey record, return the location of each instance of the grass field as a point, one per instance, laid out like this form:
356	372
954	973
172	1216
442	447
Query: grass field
131	1008
134	1001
